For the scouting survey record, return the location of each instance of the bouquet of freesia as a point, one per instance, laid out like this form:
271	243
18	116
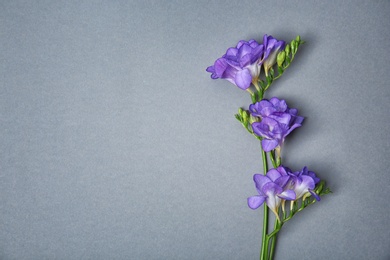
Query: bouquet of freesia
253	67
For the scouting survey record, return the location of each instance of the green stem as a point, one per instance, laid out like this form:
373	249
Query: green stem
277	226
272	157
264	247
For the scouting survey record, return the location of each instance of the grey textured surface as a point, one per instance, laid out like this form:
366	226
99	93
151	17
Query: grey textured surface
116	144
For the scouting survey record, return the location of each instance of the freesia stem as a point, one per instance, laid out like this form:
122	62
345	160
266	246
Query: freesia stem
264	247
273	240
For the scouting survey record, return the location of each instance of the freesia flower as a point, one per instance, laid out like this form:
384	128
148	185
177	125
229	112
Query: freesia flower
240	65
273	132
277	122
272	188
277	109
268	107
303	182
271	49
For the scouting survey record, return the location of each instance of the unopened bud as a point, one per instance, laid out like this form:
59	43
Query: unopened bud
280	58
319	187
287	49
245	116
293	46
240	110
298	39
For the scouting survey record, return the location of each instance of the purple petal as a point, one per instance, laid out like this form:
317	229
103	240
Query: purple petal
284	171
267	111
257	52
313	175
231	52
210	69
270	189
269	145
282	118
260	180
305	184
287	195
273	174
292	128
298	119
240	43
282	181
220	66
256	201
280	104
315	195
243	79
245	60
244	50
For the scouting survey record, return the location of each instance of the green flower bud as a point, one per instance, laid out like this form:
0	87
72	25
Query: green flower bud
240	110
287	49
298	39
293	46
245	116
280	58
319	187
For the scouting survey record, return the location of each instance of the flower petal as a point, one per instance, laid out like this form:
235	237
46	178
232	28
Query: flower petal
273	174
256	201
243	79
260	180
287	195
220	66
282	181
315	195
269	145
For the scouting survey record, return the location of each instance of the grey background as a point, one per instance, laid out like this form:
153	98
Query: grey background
116	144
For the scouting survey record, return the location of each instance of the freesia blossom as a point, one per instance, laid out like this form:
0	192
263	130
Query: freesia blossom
272	188
303	182
273	132
277	109
271	49
240	65
277	122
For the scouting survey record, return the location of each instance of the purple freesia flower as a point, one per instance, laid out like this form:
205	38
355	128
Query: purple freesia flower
271	49
272	188
268	107
303	182
273	132
240	65
277	121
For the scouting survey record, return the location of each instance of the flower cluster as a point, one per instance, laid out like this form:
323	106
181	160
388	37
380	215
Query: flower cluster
270	121
281	184
277	121
241	65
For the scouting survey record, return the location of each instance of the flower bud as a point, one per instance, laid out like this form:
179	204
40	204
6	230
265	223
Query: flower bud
245	116
293	46
280	59
320	187
298	39
287	49
240	110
